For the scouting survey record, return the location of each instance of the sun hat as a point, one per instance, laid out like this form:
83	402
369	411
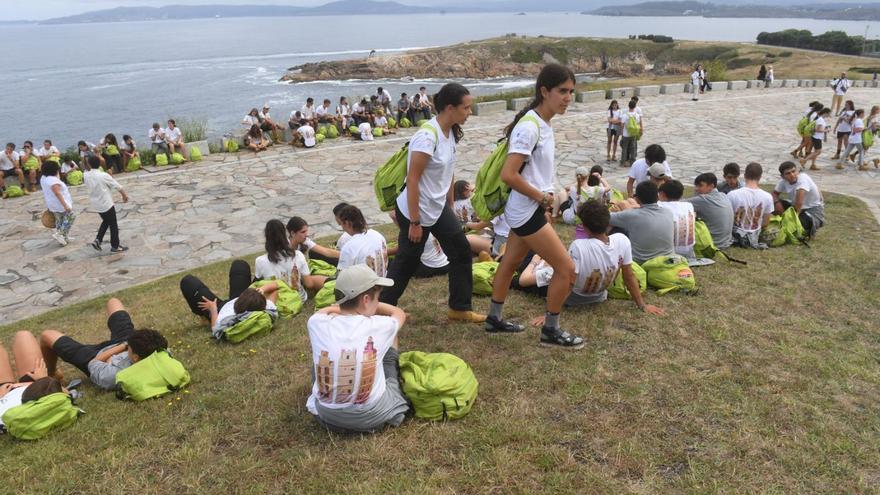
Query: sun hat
356	280
657	171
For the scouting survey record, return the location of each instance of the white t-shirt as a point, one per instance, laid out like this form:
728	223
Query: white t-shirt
52	203
10	161
288	270
322	111
695	77
343	239
856	136
433	255
368	248
639	170
437	177
154	135
347	352
500	226
540	166
840	86
464	210
624	118
750	206
308	112
366	131
101	186
43	152
380	121
819	133
172	135
66	167
263	115
228	309
844	125
308	134
10	400
249	120
614	115
343	110
683	235
596	264
812	196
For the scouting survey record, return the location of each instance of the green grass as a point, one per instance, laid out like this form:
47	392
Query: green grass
766	381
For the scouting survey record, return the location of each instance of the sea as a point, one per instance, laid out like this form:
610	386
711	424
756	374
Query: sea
81	81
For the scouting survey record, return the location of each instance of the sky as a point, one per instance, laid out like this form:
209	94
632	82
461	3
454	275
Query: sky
44	9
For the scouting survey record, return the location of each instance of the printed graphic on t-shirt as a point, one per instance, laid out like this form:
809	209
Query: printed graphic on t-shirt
338	386
749	218
598	282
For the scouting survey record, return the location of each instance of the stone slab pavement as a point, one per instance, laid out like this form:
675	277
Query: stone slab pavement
179	219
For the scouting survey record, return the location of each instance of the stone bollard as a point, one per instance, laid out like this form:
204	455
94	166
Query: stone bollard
489	107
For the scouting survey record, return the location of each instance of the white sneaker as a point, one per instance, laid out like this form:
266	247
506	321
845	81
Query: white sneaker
60	238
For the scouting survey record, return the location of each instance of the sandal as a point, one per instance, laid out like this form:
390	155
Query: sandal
557	337
495	325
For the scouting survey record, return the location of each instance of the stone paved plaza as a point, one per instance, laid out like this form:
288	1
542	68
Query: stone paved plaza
186	217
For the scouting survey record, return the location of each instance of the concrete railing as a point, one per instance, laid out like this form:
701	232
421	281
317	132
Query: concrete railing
619	93
489	107
755	84
647	91
588	96
517	104
737	85
671	89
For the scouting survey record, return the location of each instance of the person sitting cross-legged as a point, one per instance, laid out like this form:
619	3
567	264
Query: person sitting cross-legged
713	207
102	361
649	227
752	207
803	194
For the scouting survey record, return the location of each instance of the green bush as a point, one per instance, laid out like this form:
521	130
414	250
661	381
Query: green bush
193	129
214	147
716	70
785	54
70	153
739	63
148	156
526	56
831	41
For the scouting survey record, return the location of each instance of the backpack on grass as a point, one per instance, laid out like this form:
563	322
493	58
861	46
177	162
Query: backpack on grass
784	229
256	323
439	385
153	376
490	192
618	289
320	267
669	273
36	419
289	301
704	245
326	296
390	178
484	275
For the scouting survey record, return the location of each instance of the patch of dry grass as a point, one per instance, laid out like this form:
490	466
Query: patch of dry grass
766	381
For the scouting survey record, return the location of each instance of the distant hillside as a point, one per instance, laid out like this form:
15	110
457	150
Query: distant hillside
178	12
829	11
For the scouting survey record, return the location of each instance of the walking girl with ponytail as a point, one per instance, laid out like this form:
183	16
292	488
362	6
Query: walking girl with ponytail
530	170
425	205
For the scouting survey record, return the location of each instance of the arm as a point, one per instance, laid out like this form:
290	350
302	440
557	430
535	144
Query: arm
394	312
418	163
56	190
510	175
450	194
798	202
105	356
632	285
325	251
630	187
211	307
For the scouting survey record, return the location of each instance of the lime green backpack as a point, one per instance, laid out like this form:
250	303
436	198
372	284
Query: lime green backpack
783	229
231	146
802	125
439	385
133	164
669	273
32	163
36	419
320	267
75	177
405	123
867	138
326	296
421	122
195	154
483	275
809	129
289	302
391	177
161	159
490	193
257	323
112	150
319	138
633	128
378	132
618	289
177	159
354	129
392	122
153	376
14	192
332	132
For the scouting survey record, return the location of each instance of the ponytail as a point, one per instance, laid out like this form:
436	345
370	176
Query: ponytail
551	76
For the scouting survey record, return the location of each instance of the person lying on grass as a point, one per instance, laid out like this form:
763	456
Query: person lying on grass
30	381
357	337
102	361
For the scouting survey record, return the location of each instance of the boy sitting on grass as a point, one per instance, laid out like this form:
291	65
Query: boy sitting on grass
354	349
100	362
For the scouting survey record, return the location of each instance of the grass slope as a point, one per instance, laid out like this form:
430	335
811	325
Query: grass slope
766	381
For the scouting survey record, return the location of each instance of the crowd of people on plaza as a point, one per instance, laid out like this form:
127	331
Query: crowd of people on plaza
440	233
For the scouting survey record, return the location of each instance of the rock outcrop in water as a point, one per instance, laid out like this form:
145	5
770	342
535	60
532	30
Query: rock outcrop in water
510	56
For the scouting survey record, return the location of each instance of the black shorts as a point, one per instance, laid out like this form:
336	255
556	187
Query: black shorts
79	355
612	132
842	134
9	173
533	224
817	144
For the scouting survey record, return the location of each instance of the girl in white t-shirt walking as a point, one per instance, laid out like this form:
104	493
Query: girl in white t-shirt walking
530	171
614	131
817	138
425	205
58	201
843	127
855	141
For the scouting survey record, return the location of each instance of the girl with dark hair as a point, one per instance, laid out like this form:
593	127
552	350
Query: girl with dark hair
110	152
613	131
425	205
843	127
282	262
298	235
255	140
58	201
817	138
805	146
854	143
366	246
129	150
17	387
30	163
530	170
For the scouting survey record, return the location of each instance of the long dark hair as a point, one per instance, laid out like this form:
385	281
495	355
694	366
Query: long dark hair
451	94
111	139
353	215
551	75
277	243
611	108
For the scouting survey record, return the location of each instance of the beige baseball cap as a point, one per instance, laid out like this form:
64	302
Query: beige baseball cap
356	280
657	170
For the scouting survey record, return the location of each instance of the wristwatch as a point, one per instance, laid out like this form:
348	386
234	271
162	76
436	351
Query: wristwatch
415	222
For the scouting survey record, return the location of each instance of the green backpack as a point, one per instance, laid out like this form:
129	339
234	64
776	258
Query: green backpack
483	275
75	177
618	289
490	193
783	229
392	122
195	154
177	159
133	164
867	138
802	125
633	128
289	302
669	273
161	159
231	146
390	178
809	129
153	376
35	419
14	192
326	296
32	163
112	150
405	123
332	132
704	245
320	267
354	130
439	385
319	138
257	323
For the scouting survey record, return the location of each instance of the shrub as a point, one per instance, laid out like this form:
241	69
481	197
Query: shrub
71	153
193	129
525	56
831	41
656	38
148	156
739	63
214	147
785	54
716	70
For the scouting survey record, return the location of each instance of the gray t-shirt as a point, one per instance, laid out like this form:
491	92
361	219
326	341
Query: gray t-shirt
104	374
715	209
650	230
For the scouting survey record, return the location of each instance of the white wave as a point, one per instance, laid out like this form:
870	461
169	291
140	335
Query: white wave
106	86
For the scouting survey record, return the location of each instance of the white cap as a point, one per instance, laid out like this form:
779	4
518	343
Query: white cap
266	105
657	170
356	280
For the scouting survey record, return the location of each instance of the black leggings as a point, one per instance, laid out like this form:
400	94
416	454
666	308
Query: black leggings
108	219
194	290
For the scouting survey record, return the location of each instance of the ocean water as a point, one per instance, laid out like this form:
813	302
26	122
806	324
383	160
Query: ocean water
71	82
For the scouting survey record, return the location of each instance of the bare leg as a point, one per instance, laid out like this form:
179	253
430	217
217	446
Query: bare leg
26	351
114	305
546	243
479	243
6	374
314	282
47	341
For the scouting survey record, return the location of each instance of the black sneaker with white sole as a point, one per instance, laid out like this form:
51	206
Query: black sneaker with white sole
557	337
95	244
496	325
118	249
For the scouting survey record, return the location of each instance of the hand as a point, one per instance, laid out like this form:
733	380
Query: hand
537	321
415	233
67	209
207	304
39	370
654	310
124	198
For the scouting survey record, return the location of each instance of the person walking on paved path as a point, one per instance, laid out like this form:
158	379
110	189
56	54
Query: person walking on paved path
817	138
101	186
843	127
839	86
425	205
855	141
614	130
58	201
696	81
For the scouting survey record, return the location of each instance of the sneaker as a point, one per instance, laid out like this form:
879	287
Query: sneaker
557	337
839	166
119	249
495	325
465	316
863	168
59	238
95	244
813	167
26	192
